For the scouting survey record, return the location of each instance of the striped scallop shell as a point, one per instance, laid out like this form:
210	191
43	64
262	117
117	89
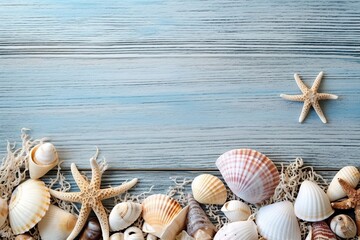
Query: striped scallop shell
236	210
343	226
123	215
209	189
243	230
28	205
312	204
249	174
278	221
321	231
350	174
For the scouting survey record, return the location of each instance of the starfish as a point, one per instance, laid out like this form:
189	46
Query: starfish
353	201
90	197
310	97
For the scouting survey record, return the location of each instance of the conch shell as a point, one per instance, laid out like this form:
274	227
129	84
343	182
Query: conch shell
123	215
43	157
133	233
236	210
209	189
343	226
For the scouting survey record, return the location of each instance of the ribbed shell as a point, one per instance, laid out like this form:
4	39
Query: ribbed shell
236	210
312	204
175	226
321	231
343	226
123	215
4	211
243	230
249	174
350	174
278	221
209	189
28	205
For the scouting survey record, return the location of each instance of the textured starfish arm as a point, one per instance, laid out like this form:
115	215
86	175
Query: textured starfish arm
79	179
317	81
350	191
297	98
304	111
326	96
103	219
66	196
80	223
112	192
96	174
319	112
300	83
346	204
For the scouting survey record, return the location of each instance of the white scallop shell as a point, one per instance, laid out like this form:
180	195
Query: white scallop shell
57	224
236	210
278	221
343	226
133	233
350	174
209	189
4	211
243	230
312	204
28	205
249	174
43	158
117	236
123	215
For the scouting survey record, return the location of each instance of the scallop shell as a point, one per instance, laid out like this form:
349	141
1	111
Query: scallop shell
117	236
4	211
43	157
320	231
350	174
236	210
57	224
312	204
133	233
123	215
243	230
278	221
24	237
343	226
175	226
209	189
249	174
28	205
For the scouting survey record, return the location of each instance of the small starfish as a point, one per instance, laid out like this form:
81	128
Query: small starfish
353	201
310	97
90	197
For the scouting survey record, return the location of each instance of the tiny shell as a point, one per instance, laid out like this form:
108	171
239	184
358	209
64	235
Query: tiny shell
209	189
312	204
133	233
321	231
236	210
343	226
117	236
350	174
243	230
249	174
123	215
24	237
43	158
151	237
92	230
4	211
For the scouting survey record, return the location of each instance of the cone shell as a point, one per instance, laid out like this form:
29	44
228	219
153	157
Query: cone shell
117	236
320	231
350	174
343	226
312	204
43	158
243	230
236	210
278	221
28	205
4	211
209	189
123	215
249	174
133	233
57	224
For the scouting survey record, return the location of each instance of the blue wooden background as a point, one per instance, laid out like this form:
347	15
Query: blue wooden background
164	87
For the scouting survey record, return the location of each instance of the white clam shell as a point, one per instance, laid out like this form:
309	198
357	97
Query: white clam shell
350	174
312	204
278	221
4	211
209	189
133	233
343	226
43	158
123	215
28	205
236	210
57	224
117	236
243	230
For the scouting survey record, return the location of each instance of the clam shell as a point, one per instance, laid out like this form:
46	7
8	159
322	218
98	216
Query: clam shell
43	157
117	236
4	211
133	233
320	231
343	226
57	224
28	205
278	221
243	230
209	189
123	215
350	174
249	174
312	204
236	210
24	237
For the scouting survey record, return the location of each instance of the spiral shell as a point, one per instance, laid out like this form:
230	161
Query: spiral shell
236	210
43	158
343	226
350	174
209	189
243	230
320	231
133	233
123	215
4	211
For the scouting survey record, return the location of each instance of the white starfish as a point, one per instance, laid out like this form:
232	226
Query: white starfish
310	97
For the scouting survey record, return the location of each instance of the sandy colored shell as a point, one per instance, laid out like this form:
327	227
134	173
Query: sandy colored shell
4	211
209	189
183	235
350	174
133	233
151	237
123	215
117	236
321	231
343	226
175	226
236	210
24	237
28	205
249	174
243	230
43	158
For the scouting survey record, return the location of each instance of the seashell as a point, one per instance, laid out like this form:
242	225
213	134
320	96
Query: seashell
209	189
197	221
236	210
243	230
28	205
249	174
309	235
57	224
350	174
184	236
175	226
4	211
24	237
321	231
343	226
123	215
312	204
133	233
151	237
43	157
92	230
278	221
117	236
